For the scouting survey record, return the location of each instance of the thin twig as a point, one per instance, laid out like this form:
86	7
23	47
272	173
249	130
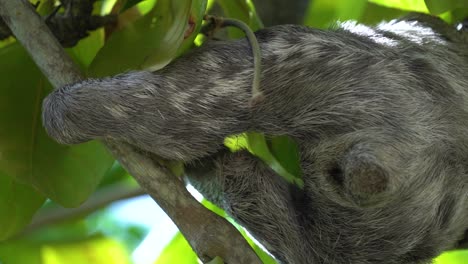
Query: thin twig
57	214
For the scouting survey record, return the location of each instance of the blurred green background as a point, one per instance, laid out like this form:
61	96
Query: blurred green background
75	204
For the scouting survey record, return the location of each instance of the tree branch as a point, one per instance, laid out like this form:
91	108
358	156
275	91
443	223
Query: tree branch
208	234
100	199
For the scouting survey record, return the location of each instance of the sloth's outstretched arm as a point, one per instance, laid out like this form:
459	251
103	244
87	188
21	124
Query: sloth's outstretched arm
315	83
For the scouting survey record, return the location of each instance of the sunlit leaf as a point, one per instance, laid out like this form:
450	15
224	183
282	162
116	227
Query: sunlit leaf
453	257
236	142
409	5
212	207
178	251
97	250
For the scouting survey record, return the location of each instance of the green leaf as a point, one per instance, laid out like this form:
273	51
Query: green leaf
457	15
375	14
452	257
286	151
437	6
409	5
94	249
69	174
281	154
324	13
20	252
86	49
151	41
66	174
258	146
130	3
18	203
216	260
178	251
215	209
197	12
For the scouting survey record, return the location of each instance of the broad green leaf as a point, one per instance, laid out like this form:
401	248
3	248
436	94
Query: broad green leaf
197	12
324	13
69	174
178	251
18	203
151	41
409	5
20	98
66	174
20	252
453	257
438	6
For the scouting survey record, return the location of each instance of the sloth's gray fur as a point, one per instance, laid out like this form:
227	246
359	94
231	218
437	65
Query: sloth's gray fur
380	115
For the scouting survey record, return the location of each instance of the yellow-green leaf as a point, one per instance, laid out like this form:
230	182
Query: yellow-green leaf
409	5
453	257
178	251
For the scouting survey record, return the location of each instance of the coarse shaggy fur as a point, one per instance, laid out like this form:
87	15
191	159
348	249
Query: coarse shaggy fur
380	115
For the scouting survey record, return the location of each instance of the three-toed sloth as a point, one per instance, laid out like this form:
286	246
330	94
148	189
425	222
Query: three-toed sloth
380	115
